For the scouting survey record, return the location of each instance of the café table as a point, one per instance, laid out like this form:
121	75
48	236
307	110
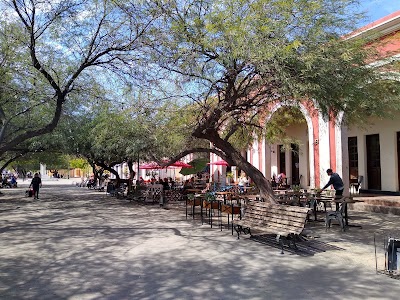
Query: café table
224	194
346	216
230	210
193	200
337	201
246	189
193	191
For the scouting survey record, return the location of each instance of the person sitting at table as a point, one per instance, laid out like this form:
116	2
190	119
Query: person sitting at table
171	183
207	188
5	182
165	184
273	181
281	179
13	182
141	180
243	181
187	185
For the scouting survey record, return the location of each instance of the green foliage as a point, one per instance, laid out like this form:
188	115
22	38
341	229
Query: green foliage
236	59
251	53
78	163
32	161
276	128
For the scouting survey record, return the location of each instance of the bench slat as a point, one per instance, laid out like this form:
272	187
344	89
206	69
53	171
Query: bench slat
273	218
274	230
277	206
279	211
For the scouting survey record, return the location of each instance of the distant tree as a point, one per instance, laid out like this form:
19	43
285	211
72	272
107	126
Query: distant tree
50	50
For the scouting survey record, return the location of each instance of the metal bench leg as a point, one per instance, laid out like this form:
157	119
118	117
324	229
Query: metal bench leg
279	239
238	229
293	238
186	202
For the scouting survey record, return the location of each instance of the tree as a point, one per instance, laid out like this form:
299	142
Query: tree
53	49
236	58
152	133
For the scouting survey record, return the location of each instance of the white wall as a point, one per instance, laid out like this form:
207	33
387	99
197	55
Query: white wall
387	130
300	133
324	150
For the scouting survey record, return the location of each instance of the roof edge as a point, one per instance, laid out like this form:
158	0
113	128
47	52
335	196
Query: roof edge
381	27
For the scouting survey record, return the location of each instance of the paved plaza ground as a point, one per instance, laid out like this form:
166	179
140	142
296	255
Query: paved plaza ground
76	243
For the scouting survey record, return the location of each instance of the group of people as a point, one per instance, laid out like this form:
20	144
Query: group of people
10	181
5	182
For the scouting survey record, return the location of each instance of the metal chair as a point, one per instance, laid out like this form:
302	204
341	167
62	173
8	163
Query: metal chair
336	215
356	186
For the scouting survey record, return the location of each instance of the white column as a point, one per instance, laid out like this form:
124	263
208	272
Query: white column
342	158
274	160
43	171
288	166
254	148
324	149
267	149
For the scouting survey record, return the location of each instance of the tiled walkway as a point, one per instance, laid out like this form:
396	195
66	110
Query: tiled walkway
80	244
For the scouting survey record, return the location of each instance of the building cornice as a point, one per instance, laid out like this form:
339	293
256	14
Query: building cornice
385	61
379	28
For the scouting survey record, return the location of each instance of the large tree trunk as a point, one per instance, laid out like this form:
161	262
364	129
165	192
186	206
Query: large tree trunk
5	165
234	157
132	174
110	169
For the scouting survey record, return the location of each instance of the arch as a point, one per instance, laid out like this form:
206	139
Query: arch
303	109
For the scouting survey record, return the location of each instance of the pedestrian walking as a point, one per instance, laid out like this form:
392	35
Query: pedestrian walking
36	183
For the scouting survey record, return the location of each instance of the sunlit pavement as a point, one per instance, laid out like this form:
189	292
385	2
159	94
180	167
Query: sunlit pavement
79	244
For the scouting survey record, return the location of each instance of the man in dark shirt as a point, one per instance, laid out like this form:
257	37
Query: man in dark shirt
336	181
35	184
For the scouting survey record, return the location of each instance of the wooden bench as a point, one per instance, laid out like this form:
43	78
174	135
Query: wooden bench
287	222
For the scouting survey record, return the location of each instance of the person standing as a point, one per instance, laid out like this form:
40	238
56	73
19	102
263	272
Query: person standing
337	183
36	183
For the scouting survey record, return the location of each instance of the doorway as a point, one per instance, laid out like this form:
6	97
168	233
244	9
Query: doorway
282	159
295	164
373	162
398	159
353	159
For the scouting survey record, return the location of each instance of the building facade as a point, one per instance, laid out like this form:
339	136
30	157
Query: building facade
370	154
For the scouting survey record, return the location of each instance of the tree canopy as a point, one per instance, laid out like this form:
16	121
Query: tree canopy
125	75
244	56
51	51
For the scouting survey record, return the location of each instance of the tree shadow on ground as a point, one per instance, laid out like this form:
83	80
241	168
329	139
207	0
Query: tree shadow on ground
100	248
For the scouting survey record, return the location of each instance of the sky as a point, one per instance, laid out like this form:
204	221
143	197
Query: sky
377	9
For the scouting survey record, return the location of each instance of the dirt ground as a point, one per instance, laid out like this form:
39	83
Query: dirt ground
75	243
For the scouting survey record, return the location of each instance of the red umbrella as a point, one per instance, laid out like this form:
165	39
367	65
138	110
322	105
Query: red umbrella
154	165
149	166
181	164
178	164
219	163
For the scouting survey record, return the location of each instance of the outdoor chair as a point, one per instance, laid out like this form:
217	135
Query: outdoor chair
172	196
192	202
336	215
155	194
356	186
211	207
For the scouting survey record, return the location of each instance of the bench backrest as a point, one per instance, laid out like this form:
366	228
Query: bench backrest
288	218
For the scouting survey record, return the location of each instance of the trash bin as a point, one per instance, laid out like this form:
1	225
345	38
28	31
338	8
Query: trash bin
393	254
